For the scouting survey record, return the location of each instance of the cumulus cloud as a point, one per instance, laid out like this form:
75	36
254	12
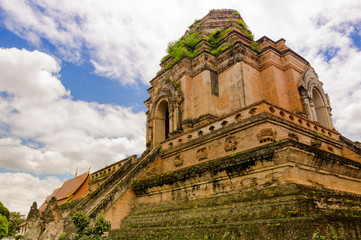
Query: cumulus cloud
125	42
17	191
45	131
118	37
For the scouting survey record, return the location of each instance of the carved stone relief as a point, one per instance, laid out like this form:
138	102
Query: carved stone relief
266	135
293	136
316	102
230	144
152	172
178	160
202	154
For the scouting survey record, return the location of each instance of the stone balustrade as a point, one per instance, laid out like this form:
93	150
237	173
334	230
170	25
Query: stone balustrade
247	112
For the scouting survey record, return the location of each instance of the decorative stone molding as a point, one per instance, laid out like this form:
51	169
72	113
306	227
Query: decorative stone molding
316	143
152	172
35	225
230	144
178	160
266	135
293	136
166	97
315	101
202	154
169	92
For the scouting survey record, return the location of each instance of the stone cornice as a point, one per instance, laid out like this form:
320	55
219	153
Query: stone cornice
241	118
240	162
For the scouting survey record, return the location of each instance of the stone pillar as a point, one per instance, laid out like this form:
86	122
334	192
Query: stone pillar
171	119
312	110
306	104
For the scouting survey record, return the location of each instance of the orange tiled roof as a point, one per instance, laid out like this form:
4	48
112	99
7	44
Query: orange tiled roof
73	189
82	191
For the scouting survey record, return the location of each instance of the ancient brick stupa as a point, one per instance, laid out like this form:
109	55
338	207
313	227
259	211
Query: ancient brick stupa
240	145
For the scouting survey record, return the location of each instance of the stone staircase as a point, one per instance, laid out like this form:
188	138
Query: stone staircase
283	212
113	187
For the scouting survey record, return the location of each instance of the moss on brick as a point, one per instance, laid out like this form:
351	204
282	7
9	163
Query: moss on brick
285	211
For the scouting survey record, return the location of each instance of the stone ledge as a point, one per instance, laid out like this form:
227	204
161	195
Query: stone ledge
284	211
239	162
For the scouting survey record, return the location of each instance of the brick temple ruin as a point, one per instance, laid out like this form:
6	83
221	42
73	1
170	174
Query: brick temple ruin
240	145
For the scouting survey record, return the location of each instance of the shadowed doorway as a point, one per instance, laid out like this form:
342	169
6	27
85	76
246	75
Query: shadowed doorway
161	122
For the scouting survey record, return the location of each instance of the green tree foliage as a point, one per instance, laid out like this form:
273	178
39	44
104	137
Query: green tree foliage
86	232
14	220
81	222
4	211
3	226
4	220
101	226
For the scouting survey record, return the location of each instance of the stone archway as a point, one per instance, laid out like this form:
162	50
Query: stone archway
321	111
315	100
161	117
164	115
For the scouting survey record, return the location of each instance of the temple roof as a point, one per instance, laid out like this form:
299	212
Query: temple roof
72	189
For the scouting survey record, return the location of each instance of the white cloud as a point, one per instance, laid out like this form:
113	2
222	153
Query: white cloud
44	130
19	190
48	131
125	41
120	37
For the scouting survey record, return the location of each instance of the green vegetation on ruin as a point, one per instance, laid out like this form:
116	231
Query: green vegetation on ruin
215	38
244	29
70	204
278	211
85	230
187	44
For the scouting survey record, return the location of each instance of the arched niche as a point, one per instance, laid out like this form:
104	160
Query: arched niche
320	108
315	100
161	122
164	115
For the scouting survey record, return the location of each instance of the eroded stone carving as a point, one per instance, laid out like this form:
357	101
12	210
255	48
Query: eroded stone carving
34	223
230	144
315	101
178	160
164	112
266	135
202	154
293	136
316	143
152	172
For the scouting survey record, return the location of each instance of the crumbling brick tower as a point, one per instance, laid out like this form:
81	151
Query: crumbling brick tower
248	146
240	145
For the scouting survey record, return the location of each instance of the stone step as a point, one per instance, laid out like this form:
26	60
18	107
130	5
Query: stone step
288	211
111	189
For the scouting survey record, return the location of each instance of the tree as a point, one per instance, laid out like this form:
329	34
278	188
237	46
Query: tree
81	222
3	226
4	211
14	220
86	232
101	226
4	220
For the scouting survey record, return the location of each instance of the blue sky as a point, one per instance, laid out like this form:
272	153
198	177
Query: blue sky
74	75
81	80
